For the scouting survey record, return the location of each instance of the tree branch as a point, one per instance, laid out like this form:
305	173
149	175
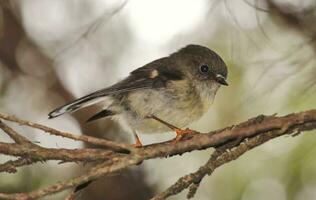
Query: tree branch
84	138
230	143
221	157
17	138
11	165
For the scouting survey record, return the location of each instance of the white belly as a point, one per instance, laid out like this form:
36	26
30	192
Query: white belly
179	110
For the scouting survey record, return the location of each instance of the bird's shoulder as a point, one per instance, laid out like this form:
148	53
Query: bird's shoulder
163	69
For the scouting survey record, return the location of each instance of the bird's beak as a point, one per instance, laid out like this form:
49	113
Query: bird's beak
221	80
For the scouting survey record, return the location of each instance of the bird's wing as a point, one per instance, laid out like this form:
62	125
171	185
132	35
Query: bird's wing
151	76
102	114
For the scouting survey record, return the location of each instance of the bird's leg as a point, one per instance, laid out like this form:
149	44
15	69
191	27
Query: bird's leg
138	143
180	132
172	127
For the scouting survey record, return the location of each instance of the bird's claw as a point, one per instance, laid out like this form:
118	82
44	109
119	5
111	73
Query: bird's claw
181	133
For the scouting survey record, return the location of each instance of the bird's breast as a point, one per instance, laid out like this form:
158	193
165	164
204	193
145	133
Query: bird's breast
178	104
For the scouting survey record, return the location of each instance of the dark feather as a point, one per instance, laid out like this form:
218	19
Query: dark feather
138	79
82	186
99	115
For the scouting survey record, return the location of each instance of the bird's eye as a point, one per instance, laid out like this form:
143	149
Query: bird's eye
204	69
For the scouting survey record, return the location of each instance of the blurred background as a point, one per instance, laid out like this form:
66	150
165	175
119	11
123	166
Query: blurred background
54	51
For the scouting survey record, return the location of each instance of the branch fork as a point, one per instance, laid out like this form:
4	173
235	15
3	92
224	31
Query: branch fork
111	157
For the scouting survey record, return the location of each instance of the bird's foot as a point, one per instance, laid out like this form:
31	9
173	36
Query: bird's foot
138	143
182	133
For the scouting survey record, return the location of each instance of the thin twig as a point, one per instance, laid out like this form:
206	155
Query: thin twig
11	165
65	155
19	139
92	140
94	173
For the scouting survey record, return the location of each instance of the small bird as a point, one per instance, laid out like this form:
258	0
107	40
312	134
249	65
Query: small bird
170	92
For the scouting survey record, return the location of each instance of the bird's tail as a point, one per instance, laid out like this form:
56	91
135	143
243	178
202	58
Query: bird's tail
77	104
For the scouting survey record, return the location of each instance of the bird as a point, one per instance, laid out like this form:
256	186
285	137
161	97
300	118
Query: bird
168	93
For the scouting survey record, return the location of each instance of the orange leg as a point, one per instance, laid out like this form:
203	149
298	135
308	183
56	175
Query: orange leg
138	143
180	133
